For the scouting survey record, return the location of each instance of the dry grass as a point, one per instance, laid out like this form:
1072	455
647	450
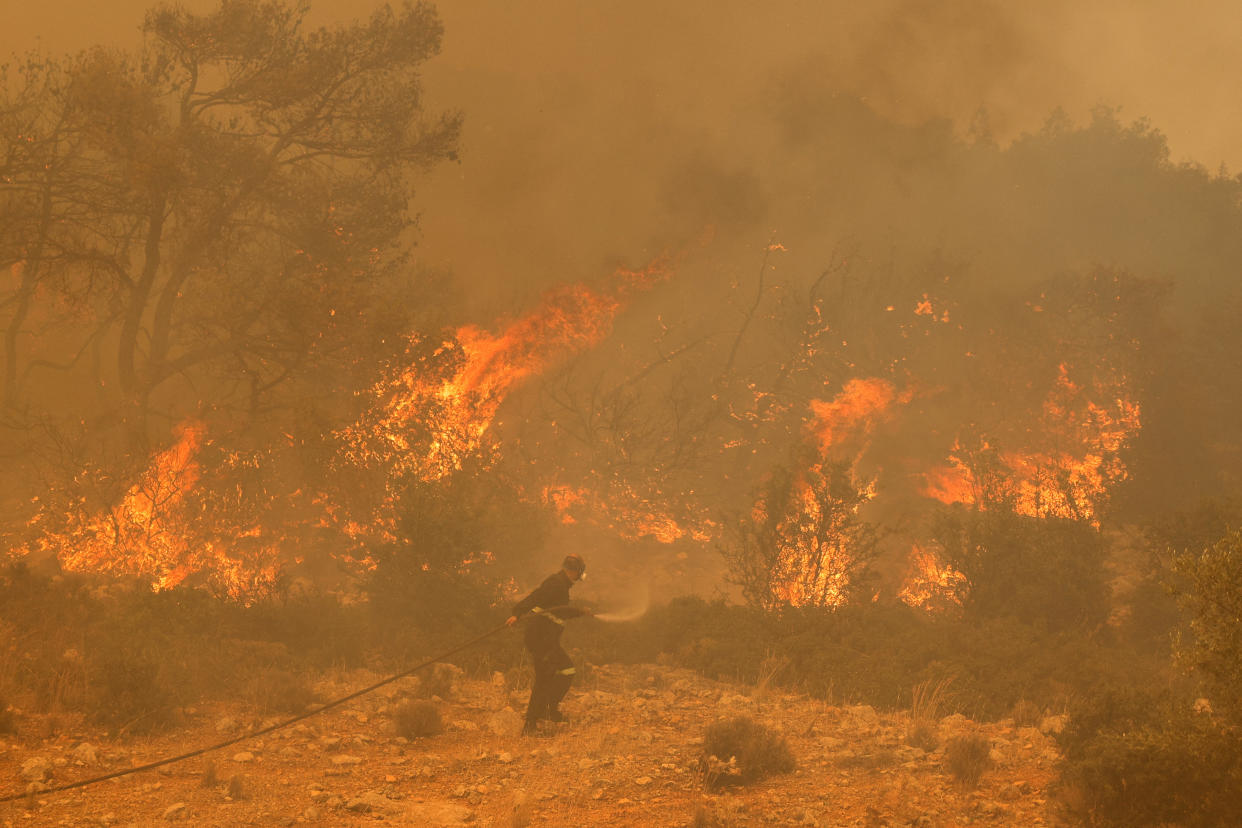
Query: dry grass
712	814
928	700
1026	714
769	669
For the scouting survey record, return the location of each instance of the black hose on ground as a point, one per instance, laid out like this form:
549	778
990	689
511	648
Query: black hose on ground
261	732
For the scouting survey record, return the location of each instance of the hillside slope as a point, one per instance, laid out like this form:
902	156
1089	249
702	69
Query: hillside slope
630	757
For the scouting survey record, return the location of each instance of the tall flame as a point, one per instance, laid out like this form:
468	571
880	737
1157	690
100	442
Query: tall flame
436	410
819	528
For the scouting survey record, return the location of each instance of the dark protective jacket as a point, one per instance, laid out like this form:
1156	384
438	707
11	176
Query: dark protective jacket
549	606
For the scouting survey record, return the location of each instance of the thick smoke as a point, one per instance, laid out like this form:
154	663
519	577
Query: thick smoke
818	161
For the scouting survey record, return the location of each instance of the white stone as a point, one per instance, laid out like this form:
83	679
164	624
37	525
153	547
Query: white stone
86	754
36	769
346	759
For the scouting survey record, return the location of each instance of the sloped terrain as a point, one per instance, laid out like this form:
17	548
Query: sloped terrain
629	757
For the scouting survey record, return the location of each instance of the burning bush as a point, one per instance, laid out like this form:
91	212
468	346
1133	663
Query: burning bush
967	757
739	751
416	719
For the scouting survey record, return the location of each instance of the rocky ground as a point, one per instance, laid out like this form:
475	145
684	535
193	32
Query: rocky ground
630	757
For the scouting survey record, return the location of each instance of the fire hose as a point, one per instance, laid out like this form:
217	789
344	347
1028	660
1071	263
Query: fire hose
261	732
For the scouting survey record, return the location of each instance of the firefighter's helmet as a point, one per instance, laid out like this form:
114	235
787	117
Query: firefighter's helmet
574	563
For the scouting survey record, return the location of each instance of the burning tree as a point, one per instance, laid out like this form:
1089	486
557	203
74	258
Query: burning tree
213	229
804	542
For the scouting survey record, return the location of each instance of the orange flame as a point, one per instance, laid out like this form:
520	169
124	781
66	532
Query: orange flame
147	534
627	513
436	412
931	584
1069	478
817	535
852	412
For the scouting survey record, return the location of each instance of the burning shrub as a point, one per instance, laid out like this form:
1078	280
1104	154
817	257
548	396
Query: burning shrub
416	719
967	757
739	751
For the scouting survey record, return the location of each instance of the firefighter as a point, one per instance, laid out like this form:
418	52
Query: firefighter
549	608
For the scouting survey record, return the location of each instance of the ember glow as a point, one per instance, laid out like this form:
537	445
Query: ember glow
627	513
930	583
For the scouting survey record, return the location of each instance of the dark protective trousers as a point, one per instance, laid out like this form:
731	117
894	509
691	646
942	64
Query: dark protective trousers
554	672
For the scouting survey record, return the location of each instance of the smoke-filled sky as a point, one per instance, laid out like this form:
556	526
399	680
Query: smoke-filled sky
601	132
790	136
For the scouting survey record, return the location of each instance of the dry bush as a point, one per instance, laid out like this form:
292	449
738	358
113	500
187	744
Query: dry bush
210	778
928	699
1026	713
279	691
439	680
716	815
416	719
967	757
740	751
924	735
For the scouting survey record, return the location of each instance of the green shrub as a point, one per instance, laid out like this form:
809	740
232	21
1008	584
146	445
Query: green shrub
739	751
1135	759
416	719
128	694
967	757
1214	602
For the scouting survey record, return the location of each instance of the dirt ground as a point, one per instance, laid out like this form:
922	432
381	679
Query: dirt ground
631	756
